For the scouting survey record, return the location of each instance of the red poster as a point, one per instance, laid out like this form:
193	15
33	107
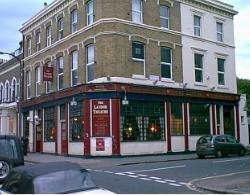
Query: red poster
47	73
100	144
100	118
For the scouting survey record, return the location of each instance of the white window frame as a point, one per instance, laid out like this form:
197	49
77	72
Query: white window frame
165	18
59	60
220	34
88	61
73	17
29	48
74	67
200	69
13	89
197	26
38	41
168	64
1	92
38	80
90	14
28	84
60	26
7	91
48	35
134	11
221	72
48	84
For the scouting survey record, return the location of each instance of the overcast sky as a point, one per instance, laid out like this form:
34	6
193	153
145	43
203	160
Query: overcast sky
13	13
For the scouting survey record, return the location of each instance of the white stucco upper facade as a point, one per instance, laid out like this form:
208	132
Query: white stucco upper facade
209	47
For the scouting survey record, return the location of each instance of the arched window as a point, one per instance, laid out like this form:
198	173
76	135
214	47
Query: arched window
1	92
7	91
13	89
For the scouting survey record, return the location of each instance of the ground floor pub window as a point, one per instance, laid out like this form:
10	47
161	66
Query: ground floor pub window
176	118
26	124
49	124
199	115
228	115
76	122
142	121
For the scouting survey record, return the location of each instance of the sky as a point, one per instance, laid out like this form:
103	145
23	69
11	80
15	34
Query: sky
13	13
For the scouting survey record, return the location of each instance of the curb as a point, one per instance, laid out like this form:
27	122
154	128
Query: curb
216	190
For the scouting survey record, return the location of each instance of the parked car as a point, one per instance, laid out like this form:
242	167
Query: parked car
50	178
11	154
219	145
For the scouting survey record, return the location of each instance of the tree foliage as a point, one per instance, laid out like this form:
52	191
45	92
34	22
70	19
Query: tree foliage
244	88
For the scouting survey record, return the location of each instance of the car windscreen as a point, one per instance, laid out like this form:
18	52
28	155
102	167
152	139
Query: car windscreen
8	148
63	182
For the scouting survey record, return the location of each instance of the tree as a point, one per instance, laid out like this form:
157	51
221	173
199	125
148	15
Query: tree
243	86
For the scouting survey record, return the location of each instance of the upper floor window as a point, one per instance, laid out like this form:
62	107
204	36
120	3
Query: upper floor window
13	90
74	21
219	27
197	25
137	11
166	62
48	35
38	80
1	92
198	60
90	12
138	51
28	84
59	62
7	91
221	71
29	46
60	28
90	53
164	16
48	84
74	68
38	41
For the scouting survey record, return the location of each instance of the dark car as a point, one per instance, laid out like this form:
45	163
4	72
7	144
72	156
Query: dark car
50	178
219	145
11	154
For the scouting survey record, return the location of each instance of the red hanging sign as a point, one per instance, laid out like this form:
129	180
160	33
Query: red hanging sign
47	73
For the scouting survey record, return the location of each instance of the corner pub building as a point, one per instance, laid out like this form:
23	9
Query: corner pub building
126	77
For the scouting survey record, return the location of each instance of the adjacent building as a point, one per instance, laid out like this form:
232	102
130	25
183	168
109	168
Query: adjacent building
128	77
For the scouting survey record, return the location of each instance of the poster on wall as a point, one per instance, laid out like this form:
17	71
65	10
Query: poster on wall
100	118
100	144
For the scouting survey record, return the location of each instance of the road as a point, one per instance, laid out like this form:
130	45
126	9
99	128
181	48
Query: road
166	177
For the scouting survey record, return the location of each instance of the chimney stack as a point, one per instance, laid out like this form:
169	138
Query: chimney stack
45	4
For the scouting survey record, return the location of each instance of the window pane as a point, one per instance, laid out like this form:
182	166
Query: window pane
221	79
166	71
76	122
166	55
90	72
219	27
198	60
176	119
136	17
199	119
90	54
74	59
90	7
49	125
138	50
197	31
60	80
74	77
164	22
221	67
197	21
228	115
136	5
198	76
164	11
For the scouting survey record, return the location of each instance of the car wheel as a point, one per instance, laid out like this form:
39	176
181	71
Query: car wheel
5	168
201	156
242	152
219	154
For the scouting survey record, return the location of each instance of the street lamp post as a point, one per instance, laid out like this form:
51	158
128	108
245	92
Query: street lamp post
20	90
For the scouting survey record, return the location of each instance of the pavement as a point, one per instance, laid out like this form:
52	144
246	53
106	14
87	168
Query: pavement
238	183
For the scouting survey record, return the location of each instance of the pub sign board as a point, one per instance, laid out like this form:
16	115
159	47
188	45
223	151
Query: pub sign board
47	73
100	118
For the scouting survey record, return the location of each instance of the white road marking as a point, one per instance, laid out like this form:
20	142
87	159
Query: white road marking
154	178
120	174
169	180
89	169
129	173
163	168
230	160
147	179
134	176
160	181
141	175
108	172
98	170
175	184
183	183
